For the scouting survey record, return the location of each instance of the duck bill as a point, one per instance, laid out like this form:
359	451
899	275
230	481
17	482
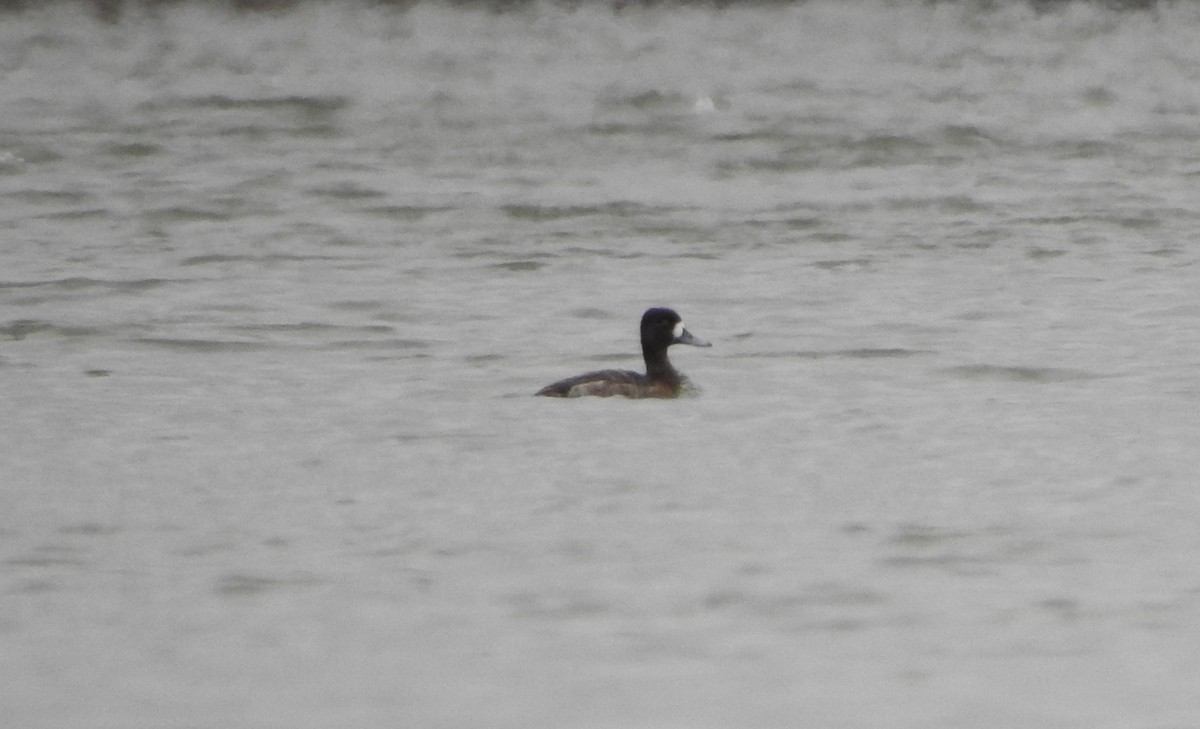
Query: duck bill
685	337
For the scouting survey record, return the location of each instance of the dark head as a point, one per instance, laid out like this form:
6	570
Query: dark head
660	329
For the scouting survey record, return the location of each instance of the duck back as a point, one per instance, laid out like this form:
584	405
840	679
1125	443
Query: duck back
610	383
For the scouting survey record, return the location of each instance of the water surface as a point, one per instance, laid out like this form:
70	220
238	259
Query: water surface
275	291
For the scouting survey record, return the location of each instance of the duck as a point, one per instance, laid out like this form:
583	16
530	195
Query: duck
660	328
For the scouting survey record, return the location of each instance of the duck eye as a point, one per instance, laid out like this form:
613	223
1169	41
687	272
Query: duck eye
678	330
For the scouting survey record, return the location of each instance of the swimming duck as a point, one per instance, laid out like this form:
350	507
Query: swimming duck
660	329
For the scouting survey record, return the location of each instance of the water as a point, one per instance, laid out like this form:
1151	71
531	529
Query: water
275	291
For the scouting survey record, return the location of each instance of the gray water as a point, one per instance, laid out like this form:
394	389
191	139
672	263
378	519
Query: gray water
275	292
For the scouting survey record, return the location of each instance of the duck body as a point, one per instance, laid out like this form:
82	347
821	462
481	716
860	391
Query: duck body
660	329
620	383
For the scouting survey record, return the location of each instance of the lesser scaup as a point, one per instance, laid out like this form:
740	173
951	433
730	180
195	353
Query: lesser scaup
660	329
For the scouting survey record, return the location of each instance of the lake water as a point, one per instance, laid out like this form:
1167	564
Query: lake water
275	291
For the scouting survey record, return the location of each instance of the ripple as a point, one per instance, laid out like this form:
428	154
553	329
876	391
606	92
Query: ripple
296	103
48	197
50	555
82	283
88	528
212	258
519	266
202	346
187	214
842	263
620	208
307	327
36	587
822	595
244	585
559	606
133	149
879	353
948	204
21	328
1008	373
646	100
918	535
360	305
959	551
79	214
857	353
407	213
347	191
589	312
968	135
